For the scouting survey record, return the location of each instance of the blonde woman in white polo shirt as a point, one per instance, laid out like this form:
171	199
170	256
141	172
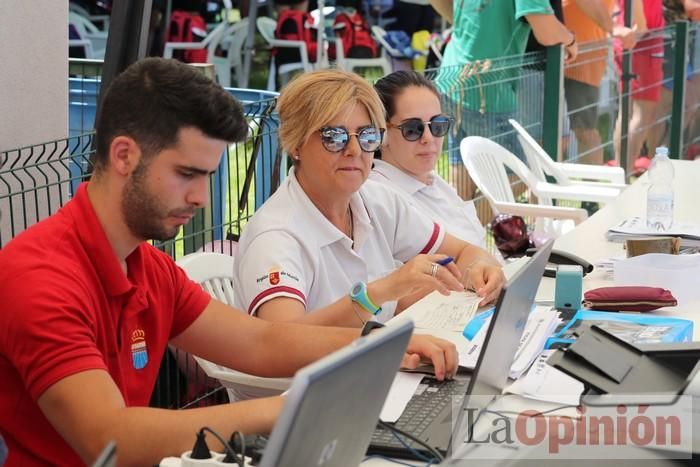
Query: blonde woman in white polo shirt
328	234
410	151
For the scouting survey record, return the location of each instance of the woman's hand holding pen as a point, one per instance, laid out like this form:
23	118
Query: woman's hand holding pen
422	273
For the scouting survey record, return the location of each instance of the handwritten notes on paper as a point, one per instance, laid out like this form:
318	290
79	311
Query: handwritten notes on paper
447	313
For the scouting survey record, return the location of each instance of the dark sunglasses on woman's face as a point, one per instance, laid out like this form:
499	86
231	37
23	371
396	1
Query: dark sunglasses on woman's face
336	139
412	128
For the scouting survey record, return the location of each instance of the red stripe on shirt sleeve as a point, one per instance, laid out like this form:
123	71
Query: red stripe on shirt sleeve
433	239
275	290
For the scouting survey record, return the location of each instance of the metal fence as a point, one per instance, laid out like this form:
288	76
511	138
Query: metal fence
35	181
481	97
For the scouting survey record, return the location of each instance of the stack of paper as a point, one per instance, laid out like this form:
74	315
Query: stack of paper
541	323
636	227
546	383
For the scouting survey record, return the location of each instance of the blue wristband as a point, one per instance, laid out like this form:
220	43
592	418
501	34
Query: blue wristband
358	294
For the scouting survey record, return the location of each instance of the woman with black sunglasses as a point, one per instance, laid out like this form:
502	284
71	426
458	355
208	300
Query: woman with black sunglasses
322	250
411	148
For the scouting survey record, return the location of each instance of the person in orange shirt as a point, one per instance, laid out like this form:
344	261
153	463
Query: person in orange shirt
591	21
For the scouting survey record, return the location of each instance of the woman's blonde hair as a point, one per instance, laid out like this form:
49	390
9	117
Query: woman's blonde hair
312	99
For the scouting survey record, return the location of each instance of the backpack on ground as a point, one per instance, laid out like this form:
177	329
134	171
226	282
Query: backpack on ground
187	26
295	25
352	29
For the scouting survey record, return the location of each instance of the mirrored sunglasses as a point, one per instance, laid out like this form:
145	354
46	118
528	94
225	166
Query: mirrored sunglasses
336	139
412	128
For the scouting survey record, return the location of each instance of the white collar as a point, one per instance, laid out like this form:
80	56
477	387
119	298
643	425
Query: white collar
325	232
403	180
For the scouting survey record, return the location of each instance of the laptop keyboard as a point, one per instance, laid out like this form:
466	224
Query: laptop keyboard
429	400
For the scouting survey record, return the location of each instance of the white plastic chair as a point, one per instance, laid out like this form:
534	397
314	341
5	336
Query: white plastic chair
486	162
568	174
94	19
88	32
85	44
397	59
316	15
230	36
267	26
232	40
214	272
214	36
378	34
351	64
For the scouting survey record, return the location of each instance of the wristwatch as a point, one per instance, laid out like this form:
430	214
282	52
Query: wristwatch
358	294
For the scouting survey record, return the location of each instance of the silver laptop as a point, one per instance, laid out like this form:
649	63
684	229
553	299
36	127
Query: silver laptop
429	414
333	404
107	458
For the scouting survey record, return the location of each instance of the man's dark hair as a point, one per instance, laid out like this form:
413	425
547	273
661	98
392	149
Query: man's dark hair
154	98
393	84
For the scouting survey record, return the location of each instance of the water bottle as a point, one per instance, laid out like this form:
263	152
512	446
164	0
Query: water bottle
660	194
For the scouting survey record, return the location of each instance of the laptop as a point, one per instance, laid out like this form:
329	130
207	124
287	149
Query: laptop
429	414
333	404
107	458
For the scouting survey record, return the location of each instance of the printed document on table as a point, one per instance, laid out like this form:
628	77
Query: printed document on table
545	383
470	354
447	313
636	227
402	389
541	322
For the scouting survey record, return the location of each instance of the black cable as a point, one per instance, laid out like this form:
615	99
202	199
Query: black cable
416	454
229	449
241	441
428	448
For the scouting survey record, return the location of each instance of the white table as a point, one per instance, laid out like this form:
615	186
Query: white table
588	239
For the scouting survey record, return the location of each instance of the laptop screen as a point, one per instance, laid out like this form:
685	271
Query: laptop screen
503	338
333	405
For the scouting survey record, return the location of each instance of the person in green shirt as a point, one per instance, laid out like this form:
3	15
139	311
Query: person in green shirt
478	73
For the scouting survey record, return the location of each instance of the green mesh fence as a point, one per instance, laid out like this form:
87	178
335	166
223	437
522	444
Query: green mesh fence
36	181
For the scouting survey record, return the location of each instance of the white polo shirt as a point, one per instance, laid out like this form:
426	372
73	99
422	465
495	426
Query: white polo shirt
290	249
438	200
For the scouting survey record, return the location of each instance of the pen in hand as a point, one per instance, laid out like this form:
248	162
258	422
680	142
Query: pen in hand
448	260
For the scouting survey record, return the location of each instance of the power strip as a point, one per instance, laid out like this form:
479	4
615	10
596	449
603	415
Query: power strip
185	461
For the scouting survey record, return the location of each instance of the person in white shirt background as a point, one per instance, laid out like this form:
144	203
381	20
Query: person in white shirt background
327	228
412	145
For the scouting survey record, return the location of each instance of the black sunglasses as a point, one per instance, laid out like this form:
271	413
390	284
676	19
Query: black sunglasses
335	139
412	128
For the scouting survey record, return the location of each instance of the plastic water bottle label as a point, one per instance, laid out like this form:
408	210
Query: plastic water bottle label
659	212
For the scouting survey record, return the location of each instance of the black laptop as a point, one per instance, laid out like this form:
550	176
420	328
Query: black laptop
429	414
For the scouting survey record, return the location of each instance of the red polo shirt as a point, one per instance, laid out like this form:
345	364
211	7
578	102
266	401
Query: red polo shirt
68	307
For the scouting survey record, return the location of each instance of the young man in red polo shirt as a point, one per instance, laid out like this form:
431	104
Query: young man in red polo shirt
89	307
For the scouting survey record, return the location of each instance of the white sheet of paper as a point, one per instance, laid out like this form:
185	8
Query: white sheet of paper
402	389
540	325
449	313
545	383
469	354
